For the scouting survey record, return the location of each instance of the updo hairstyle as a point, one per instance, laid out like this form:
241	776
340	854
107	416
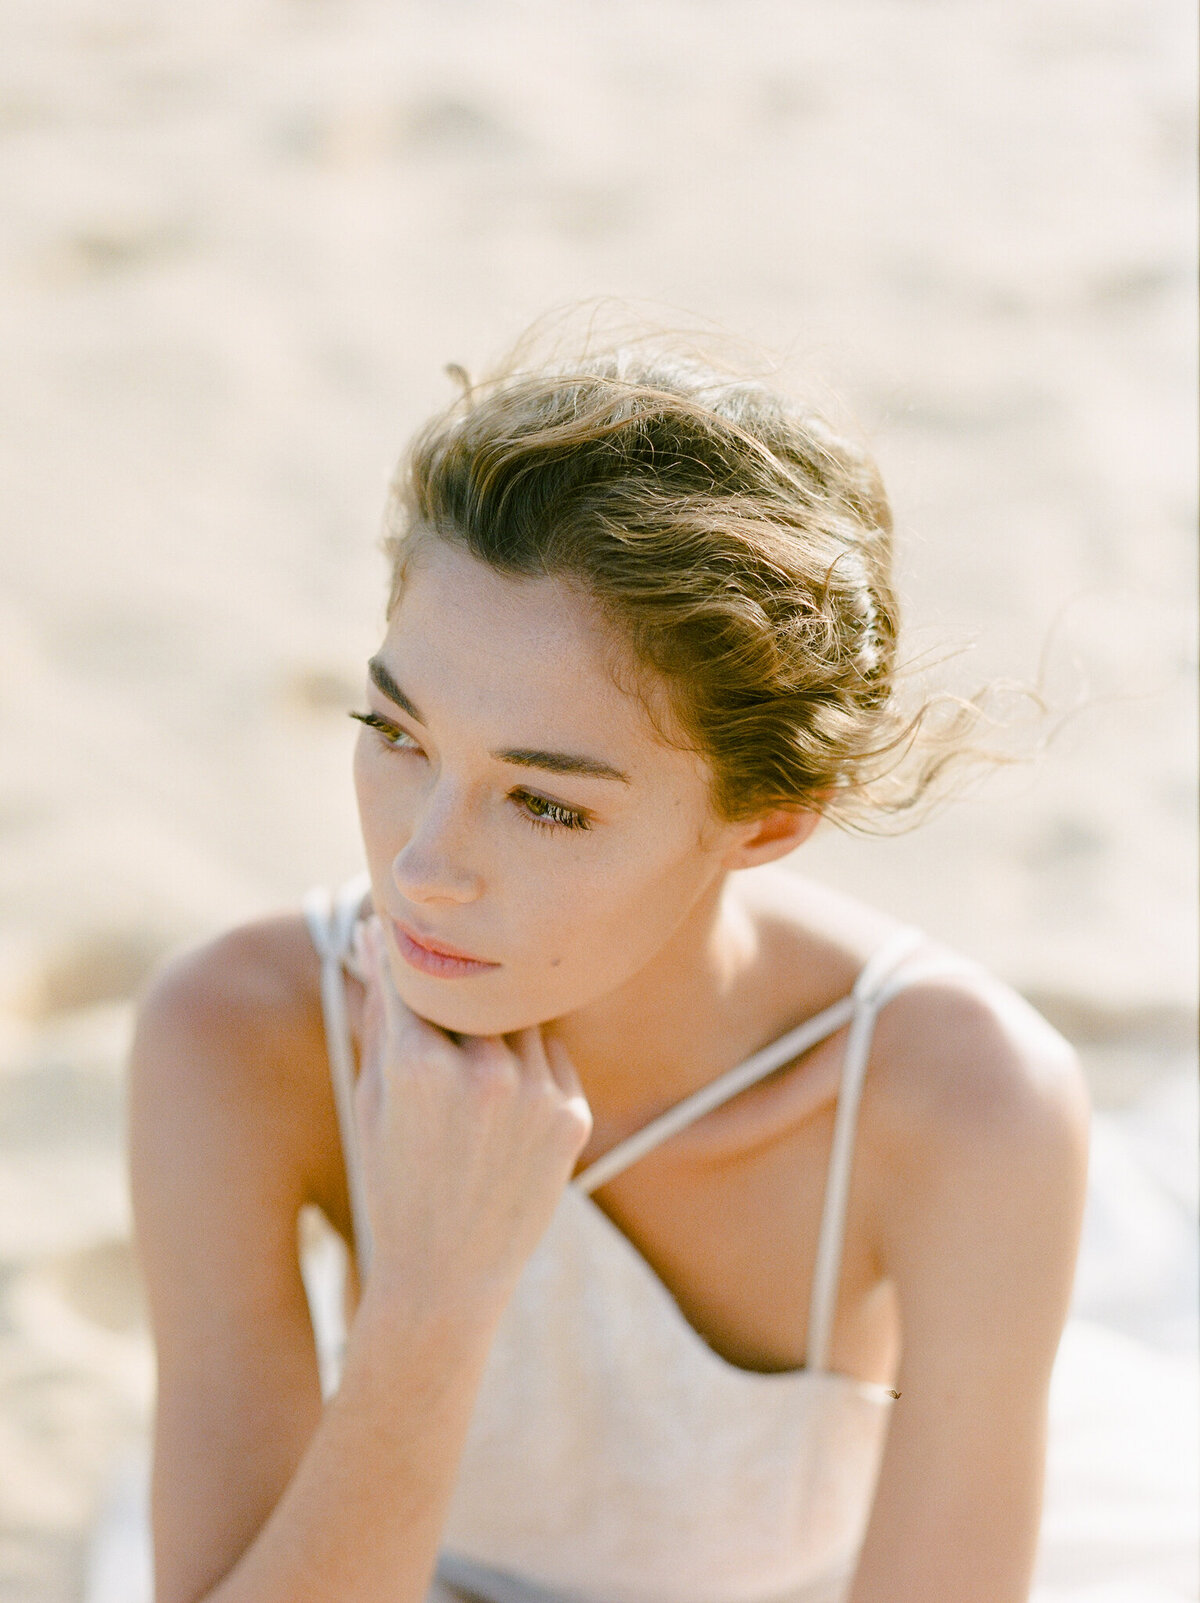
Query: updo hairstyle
741	547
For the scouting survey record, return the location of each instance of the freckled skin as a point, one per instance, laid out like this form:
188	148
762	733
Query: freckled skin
633	961
571	916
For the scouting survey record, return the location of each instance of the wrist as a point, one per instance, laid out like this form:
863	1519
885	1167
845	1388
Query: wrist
408	1322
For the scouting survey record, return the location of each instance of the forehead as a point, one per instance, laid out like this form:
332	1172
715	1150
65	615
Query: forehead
532	661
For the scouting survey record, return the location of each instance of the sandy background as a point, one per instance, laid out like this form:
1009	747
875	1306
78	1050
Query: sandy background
238	243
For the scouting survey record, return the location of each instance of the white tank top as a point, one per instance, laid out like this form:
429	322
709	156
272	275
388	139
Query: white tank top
613	1456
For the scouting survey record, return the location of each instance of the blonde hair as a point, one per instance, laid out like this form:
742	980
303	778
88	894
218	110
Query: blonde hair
740	546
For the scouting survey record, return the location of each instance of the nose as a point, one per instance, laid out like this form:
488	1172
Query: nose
431	866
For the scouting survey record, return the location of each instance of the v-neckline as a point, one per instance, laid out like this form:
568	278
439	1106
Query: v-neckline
666	1299
742	1076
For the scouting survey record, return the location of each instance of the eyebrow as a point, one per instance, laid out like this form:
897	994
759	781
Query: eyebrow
382	679
553	762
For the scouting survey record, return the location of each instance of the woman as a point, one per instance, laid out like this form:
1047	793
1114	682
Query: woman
788	1332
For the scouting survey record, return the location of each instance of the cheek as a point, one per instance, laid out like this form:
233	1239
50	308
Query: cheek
358	772
384	798
611	919
369	795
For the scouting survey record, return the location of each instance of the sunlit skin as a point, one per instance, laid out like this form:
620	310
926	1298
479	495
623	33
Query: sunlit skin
612	927
525	801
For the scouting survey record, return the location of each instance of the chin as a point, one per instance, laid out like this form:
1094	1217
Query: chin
465	1015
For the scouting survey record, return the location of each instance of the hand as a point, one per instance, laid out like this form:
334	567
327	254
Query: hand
466	1145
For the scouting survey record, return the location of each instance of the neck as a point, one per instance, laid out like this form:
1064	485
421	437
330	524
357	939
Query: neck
668	1029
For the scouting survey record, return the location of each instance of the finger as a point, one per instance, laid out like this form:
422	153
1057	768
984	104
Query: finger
369	1087
380	970
374	1021
360	940
490	1057
400	1021
560	1066
570	1087
397	1016
529	1050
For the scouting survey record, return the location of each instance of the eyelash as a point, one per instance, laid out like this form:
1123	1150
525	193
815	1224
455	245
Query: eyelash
551	816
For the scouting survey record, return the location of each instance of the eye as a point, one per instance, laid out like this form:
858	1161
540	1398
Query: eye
395	738
536	810
543	814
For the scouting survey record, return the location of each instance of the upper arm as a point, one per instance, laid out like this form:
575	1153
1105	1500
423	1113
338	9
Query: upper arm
986	1179
221	1120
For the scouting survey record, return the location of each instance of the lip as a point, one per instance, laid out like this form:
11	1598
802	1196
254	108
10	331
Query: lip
435	957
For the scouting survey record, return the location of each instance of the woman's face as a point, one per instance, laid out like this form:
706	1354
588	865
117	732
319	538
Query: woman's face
518	808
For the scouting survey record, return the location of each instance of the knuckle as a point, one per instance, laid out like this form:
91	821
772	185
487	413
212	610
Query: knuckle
487	1053
425	1060
438	1057
493	1068
556	1052
574	1117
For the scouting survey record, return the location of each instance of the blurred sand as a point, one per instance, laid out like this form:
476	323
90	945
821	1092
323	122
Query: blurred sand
238	245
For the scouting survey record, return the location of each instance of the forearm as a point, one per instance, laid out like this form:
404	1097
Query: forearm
362	1516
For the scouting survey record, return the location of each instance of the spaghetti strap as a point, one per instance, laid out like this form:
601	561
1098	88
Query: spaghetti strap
803	1038
886	973
713	1095
331	923
597	1386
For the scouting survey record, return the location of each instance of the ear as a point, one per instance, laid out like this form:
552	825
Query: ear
772	836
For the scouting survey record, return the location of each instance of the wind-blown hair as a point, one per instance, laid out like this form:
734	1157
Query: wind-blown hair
740	547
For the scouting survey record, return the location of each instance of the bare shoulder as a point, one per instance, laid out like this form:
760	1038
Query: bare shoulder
958	1056
977	1126
962	1064
258	977
229	1053
971	1160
